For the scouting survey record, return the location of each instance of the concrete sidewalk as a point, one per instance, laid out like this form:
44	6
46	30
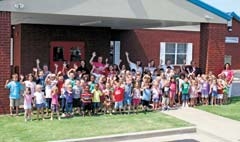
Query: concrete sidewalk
220	127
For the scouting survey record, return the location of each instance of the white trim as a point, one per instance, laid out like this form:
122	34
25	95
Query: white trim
116	52
11	51
189	53
162	52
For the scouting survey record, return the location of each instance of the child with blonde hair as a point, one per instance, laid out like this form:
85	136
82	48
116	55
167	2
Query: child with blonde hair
55	103
136	95
155	94
39	99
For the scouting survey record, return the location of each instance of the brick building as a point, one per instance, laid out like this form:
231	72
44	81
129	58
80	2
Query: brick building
35	29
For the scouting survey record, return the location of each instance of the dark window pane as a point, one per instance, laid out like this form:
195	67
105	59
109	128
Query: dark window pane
182	48
180	58
170	48
75	54
58	54
170	57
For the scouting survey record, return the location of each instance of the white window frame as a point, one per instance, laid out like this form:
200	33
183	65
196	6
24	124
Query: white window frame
116	52
188	53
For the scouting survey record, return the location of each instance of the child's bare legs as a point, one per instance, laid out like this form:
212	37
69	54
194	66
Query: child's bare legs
42	113
38	110
17	110
11	110
26	114
30	114
51	115
179	98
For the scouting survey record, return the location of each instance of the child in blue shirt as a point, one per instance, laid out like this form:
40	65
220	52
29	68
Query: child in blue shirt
15	88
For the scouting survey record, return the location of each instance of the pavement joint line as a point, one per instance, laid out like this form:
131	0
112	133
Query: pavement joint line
134	135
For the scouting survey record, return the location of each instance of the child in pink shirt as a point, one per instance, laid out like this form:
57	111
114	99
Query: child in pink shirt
55	103
27	103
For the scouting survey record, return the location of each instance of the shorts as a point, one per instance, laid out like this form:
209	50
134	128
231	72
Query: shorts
54	108
127	101
86	106
214	94
27	106
14	102
204	95
145	103
185	97
155	100
220	96
96	105
136	102
76	102
48	103
118	105
40	106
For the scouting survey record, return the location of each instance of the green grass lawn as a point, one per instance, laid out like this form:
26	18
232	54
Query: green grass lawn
15	129
231	110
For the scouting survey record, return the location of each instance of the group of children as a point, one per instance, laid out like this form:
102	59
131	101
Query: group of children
107	89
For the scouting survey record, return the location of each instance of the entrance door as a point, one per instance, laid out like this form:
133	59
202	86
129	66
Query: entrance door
69	52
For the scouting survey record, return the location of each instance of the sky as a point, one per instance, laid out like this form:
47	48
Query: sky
225	5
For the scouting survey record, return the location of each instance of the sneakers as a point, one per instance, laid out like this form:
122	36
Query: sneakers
59	118
25	120
51	118
63	115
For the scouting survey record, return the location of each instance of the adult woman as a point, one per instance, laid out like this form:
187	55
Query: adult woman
228	73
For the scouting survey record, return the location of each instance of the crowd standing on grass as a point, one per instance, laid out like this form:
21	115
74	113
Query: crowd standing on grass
115	89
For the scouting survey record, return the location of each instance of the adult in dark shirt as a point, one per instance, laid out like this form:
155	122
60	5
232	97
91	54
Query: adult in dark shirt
193	69
83	68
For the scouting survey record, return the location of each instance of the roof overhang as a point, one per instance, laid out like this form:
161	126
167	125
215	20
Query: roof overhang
117	14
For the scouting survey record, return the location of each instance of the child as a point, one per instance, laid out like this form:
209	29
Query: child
173	91
15	90
155	95
108	99
193	93
54	103
136	95
146	97
185	92
127	95
69	100
205	90
220	87
118	95
77	89
214	91
39	99
27	103
165	97
86	99
96	98
50	82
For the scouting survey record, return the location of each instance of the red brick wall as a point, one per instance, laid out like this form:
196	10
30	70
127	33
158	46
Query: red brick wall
145	44
233	49
5	35
212	47
35	39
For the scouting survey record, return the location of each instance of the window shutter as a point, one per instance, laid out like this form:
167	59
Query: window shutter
189	53
162	52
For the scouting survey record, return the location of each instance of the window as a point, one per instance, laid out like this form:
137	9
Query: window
176	52
75	54
58	54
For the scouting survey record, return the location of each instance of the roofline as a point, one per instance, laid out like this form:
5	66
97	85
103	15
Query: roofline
235	16
211	9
